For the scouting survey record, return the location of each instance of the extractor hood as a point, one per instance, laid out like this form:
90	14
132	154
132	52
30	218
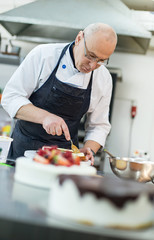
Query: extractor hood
60	21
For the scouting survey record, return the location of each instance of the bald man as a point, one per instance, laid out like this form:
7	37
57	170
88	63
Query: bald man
55	86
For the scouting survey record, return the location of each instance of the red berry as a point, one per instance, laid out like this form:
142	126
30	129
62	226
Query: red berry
41	152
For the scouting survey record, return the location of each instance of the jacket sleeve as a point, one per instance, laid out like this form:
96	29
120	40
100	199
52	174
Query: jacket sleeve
97	125
22	83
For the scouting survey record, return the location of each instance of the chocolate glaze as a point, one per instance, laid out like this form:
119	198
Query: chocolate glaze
118	191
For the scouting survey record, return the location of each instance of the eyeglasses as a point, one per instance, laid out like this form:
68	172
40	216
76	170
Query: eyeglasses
94	59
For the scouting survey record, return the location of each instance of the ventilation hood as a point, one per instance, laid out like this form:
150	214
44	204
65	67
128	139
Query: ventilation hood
60	21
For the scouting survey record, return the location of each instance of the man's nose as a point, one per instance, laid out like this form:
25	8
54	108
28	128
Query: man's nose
93	65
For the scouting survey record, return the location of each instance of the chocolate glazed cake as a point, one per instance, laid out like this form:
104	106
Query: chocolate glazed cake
108	201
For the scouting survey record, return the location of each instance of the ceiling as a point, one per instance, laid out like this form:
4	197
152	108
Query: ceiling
58	20
147	5
144	5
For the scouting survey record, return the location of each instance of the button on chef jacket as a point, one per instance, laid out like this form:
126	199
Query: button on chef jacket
35	70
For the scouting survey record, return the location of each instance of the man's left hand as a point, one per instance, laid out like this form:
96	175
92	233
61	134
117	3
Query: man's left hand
88	153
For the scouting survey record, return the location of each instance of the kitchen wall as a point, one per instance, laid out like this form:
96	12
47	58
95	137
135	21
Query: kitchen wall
137	84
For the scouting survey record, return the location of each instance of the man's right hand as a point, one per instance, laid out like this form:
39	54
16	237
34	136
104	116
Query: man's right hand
56	126
52	123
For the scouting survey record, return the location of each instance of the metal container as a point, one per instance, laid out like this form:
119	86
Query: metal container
136	169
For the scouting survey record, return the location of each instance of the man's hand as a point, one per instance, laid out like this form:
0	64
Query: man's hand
88	145
56	126
88	153
51	123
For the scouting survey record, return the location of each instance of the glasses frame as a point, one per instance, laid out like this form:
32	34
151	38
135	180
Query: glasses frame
92	59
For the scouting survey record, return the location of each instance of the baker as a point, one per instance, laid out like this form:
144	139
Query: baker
55	86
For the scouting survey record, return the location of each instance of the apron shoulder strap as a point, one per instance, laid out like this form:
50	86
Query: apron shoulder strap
62	54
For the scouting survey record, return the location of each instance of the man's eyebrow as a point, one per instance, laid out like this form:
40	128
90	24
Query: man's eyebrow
96	56
93	54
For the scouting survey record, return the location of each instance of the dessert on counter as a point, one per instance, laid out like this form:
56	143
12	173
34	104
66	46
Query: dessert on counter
105	201
47	164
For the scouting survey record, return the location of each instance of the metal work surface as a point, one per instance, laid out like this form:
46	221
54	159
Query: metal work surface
24	215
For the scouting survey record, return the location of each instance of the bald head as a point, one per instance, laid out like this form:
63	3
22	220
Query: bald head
105	30
94	46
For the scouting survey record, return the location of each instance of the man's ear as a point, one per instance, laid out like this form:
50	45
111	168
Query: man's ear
78	38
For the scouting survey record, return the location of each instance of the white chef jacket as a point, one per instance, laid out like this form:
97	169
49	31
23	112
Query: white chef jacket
35	70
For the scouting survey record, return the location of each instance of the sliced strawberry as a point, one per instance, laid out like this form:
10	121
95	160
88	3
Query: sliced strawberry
68	155
60	160
41	159
77	160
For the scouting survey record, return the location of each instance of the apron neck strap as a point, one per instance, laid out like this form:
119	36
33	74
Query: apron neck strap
61	56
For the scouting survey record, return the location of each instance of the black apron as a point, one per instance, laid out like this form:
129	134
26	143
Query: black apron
56	97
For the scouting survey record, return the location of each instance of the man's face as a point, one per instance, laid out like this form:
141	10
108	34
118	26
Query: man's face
91	52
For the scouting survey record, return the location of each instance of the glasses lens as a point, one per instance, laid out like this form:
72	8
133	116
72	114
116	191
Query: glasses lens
91	58
105	62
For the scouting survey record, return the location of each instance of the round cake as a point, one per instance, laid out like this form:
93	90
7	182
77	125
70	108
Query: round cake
46	165
105	201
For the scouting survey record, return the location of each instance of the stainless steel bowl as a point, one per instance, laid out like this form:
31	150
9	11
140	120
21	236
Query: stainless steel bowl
133	168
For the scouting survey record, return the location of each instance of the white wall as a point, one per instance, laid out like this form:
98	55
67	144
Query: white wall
138	84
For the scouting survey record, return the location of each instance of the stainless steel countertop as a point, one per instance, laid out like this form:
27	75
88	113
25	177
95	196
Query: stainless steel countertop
24	215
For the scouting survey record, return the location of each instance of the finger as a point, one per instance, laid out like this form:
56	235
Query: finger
92	160
89	156
47	130
58	130
66	131
52	131
89	151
